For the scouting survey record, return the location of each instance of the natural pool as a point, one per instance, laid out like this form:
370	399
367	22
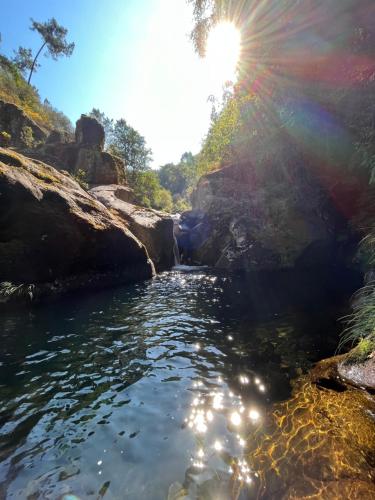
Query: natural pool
123	393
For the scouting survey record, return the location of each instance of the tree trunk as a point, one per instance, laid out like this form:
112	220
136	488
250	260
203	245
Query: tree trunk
35	58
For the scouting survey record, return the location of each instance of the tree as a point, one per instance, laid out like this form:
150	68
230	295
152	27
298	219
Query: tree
23	59
130	145
149	193
54	38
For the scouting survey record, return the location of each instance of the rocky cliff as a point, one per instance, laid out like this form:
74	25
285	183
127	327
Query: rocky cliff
83	157
55	237
248	218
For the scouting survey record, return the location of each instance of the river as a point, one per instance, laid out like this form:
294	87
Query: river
133	391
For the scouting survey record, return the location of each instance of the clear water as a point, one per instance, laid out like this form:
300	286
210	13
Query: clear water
123	393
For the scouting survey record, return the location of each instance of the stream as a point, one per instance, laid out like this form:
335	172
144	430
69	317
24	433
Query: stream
135	391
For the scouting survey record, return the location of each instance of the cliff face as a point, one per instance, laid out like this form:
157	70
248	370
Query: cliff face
252	219
54	234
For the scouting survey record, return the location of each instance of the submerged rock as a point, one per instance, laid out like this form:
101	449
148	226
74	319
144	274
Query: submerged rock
252	218
318	444
154	229
56	237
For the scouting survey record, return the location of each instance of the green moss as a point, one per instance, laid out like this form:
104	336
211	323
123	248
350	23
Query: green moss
362	351
45	176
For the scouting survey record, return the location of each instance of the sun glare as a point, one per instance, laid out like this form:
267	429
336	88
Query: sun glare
222	52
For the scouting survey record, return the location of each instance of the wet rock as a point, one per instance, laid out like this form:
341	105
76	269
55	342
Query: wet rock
154	229
23	131
318	444
359	374
57	237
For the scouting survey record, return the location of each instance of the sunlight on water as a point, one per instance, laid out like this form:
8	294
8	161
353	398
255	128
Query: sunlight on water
149	389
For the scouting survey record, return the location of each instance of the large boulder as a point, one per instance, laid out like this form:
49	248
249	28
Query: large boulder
84	158
89	132
23	131
53	232
154	229
249	218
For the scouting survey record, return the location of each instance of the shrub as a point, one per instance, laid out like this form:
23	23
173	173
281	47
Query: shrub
15	89
81	177
10	290
5	139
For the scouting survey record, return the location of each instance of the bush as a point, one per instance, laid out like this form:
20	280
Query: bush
81	177
5	139
15	89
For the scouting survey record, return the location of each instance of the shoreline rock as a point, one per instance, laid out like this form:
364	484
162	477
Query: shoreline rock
53	231
249	218
154	229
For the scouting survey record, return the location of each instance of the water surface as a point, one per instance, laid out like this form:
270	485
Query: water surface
123	393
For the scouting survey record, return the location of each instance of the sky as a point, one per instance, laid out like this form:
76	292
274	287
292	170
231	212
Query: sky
133	59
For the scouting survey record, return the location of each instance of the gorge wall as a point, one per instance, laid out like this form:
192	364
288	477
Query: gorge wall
251	218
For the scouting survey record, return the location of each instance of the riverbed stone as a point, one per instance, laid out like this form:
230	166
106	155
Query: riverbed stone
318	444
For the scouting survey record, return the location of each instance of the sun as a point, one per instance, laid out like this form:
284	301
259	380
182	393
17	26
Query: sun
223	51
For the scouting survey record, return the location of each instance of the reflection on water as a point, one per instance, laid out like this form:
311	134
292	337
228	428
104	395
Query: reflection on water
154	388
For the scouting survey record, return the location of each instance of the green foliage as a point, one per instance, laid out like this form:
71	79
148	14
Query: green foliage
81	177
124	141
180	179
360	324
14	89
149	193
106	122
130	145
27	136
298	101
9	290
54	38
5	139
23	59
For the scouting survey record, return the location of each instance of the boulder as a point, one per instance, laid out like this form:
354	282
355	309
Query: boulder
57	237
23	131
252	219
58	136
89	132
154	229
84	158
360	374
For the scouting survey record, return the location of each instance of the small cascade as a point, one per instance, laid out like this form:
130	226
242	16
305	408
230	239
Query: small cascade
176	251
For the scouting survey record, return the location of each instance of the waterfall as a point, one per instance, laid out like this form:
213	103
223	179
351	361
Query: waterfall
176	251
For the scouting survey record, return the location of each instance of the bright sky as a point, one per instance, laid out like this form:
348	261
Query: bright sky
133	59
